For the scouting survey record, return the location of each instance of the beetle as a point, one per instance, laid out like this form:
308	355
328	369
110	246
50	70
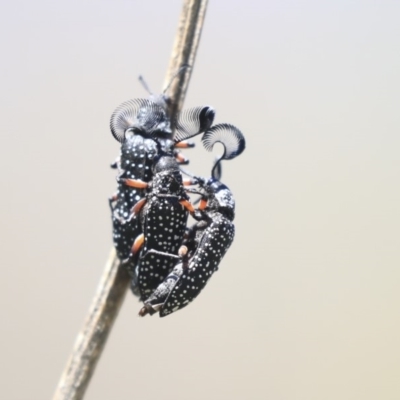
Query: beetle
207	240
144	128
162	215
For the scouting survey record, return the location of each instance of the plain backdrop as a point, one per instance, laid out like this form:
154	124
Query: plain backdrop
306	303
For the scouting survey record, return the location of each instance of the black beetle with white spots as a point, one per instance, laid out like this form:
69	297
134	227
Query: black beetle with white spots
168	262
143	127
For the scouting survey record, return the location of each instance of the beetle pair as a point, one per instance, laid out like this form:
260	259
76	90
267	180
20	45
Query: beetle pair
144	130
150	208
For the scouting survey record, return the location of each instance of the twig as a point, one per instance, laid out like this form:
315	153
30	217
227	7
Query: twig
184	51
115	280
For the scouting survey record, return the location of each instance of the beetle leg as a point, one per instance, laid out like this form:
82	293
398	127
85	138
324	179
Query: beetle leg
135	183
157	299
116	163
111	200
137	244
182	252
161	253
136	209
148	309
188	205
180	158
189	181
184	144
203	204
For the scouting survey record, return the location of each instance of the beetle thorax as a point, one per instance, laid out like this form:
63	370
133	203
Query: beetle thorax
168	183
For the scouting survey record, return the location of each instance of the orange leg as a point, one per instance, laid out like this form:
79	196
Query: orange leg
189	182
203	204
138	206
181	159
137	244
184	144
136	209
188	205
136	183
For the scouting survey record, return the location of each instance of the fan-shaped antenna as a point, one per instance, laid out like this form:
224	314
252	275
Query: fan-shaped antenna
230	137
142	114
193	121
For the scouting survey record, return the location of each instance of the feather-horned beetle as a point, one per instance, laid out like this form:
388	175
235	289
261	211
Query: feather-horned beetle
207	240
143	126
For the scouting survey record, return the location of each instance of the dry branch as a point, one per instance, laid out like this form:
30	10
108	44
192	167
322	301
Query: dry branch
115	281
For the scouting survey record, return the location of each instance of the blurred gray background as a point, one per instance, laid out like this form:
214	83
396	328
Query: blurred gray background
306	302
